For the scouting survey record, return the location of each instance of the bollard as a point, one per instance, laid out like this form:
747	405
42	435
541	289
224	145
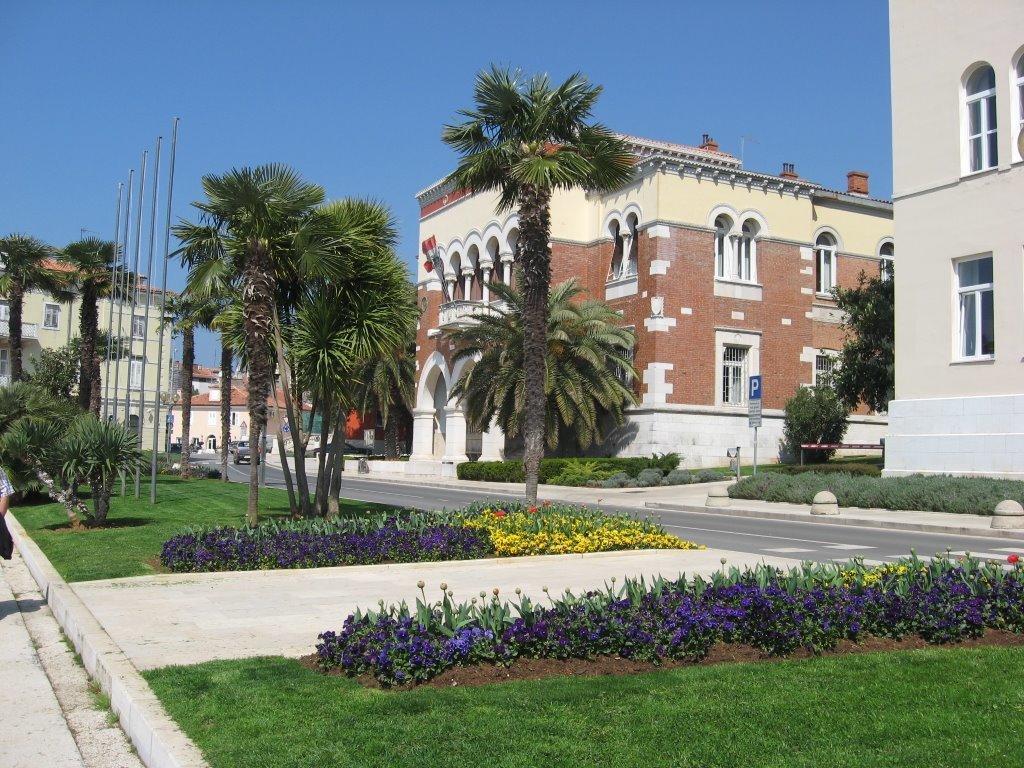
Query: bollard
718	497
824	504
1008	515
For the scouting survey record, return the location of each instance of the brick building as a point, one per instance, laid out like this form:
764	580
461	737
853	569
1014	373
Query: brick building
722	272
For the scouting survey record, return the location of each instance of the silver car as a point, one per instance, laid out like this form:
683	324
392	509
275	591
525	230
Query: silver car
240	452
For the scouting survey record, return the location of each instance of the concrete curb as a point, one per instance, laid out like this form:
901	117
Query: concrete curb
768	514
155	736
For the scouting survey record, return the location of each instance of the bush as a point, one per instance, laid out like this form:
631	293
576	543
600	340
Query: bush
618	480
868	470
688	477
814	608
814	415
557	468
649	477
933	493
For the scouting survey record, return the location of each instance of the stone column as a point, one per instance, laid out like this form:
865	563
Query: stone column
455	434
492	444
506	267
450	278
467	283
486	291
627	242
422	434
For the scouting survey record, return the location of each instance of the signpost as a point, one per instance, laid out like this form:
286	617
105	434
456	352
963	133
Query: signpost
754	411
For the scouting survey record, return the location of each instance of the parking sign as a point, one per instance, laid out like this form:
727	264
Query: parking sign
755	387
754	402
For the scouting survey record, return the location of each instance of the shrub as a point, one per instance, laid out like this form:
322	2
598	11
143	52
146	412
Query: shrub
552	469
814	608
580	472
845	468
649	477
814	415
618	480
933	493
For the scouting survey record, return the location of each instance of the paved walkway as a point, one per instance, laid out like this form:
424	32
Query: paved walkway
190	618
48	717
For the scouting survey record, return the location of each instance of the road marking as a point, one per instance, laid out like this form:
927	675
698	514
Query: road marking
743	533
1012	550
980	555
847	546
788	550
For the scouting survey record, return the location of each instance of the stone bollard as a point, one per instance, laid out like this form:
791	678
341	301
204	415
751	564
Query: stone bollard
718	497
1008	514
824	504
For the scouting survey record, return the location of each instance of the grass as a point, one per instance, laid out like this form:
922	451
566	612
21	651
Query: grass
935	493
130	543
928	708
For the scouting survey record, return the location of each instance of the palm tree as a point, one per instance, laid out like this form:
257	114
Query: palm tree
182	313
525	139
586	362
92	259
385	386
227	360
26	267
97	452
249	224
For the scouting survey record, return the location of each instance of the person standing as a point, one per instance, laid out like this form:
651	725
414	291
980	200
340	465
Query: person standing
6	491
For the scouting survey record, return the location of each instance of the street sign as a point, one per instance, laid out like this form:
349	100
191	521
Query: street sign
755	387
170	420
754	402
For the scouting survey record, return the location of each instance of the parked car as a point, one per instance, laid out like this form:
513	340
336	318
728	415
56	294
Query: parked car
240	452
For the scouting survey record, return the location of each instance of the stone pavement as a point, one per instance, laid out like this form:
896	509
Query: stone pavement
189	618
49	717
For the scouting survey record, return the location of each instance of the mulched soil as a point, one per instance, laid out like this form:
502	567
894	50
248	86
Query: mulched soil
721	653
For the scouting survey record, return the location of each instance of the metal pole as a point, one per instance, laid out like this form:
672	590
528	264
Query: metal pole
121	288
163	312
110	313
135	292
149	303
755	451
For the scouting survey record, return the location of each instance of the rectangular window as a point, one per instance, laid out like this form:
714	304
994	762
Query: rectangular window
885	270
976	325
51	316
234	418
629	355
981	132
5	363
734	375
135	373
824	367
213	418
5	311
138	327
826	278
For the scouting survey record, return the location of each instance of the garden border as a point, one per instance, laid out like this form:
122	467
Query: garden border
158	740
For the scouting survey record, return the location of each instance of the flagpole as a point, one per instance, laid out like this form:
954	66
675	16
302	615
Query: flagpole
110	313
121	288
163	311
149	302
135	295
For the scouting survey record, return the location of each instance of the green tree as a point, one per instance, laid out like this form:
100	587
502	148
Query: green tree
97	452
586	356
526	138
26	266
92	259
183	314
867	365
56	370
251	219
385	386
814	415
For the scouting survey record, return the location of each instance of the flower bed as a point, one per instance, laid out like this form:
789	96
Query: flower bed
814	608
478	531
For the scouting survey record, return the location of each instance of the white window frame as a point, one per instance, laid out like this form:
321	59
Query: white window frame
723	246
734	374
212	418
630	354
5	362
825	354
141	321
48	308
886	260
976	291
135	372
5	311
823	251
987	133
1018	90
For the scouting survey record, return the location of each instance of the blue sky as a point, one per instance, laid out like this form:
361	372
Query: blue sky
354	94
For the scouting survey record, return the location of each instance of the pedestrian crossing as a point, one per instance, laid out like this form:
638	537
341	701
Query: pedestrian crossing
875	558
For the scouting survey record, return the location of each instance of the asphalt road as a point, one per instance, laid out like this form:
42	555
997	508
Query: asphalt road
818	541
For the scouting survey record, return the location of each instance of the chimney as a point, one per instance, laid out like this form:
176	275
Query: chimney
857	182
788	171
706	142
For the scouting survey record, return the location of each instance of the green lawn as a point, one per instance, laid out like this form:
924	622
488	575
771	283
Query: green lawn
929	708
130	543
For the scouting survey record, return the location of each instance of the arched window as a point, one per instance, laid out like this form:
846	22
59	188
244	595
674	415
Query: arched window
629	258
615	268
982	138
746	257
723	244
1019	138
825	252
885	255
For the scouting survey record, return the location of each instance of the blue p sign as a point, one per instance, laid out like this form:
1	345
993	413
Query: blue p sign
755	387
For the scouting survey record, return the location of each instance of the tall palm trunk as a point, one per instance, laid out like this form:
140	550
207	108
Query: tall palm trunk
257	312
535	261
17	299
226	361
88	328
188	361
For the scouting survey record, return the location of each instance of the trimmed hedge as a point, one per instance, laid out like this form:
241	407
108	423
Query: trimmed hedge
867	470
931	493
511	471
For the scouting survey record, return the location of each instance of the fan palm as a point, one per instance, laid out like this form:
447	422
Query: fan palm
526	138
184	315
586	366
97	452
25	265
92	259
385	386
248	231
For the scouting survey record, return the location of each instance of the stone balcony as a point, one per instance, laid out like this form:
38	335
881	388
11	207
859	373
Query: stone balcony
461	313
28	330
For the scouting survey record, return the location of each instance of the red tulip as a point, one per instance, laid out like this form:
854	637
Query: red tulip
1013	559
499	513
